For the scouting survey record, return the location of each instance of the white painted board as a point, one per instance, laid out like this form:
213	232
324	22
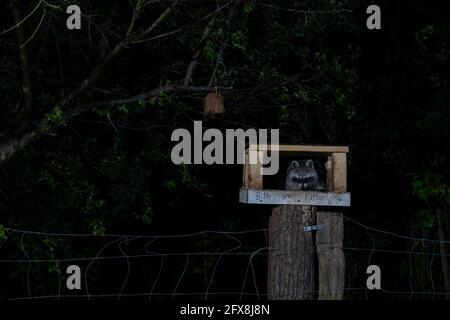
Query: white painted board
308	198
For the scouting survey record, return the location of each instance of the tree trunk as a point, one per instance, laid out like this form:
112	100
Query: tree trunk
291	253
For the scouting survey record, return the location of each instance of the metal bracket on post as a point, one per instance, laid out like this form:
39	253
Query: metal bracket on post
313	228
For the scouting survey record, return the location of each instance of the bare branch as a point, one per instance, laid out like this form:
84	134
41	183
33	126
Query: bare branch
8	148
58	81
149	94
20	22
100	66
302	11
105	29
110	121
35	31
184	28
136	11
195	58
224	41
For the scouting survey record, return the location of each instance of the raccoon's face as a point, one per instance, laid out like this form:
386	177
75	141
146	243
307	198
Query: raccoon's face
302	177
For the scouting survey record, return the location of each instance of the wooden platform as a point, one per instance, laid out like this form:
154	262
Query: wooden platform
284	148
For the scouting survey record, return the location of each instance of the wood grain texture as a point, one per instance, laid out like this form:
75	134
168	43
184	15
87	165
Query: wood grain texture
291	253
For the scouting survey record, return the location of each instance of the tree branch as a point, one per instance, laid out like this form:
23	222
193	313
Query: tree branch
222	45
20	22
147	95
184	28
156	23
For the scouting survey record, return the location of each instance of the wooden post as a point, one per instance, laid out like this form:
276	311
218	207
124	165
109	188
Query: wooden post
291	253
330	239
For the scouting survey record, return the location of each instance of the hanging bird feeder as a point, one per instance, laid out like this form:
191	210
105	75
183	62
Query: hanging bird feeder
213	104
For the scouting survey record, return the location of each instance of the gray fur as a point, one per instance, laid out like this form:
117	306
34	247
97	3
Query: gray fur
301	175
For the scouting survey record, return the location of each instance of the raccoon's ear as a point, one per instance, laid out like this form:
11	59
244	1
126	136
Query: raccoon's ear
310	164
293	164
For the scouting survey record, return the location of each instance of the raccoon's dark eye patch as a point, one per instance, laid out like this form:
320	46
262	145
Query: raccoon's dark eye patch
297	180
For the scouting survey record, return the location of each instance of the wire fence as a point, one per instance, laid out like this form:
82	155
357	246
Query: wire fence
210	263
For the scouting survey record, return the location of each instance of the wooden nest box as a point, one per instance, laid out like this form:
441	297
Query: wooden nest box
335	174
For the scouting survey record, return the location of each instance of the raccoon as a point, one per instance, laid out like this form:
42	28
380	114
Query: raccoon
301	175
